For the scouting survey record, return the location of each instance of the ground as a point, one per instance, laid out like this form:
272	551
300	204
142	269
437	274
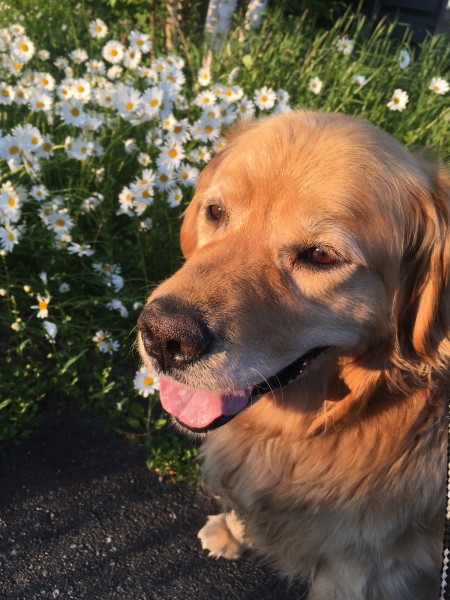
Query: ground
81	517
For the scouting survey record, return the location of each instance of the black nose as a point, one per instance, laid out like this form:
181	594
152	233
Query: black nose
172	333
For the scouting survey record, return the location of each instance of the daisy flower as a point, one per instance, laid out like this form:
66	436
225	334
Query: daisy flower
63	288
39	192
7	93
78	56
265	98
81	89
132	58
206	129
404	59
10	203
163	179
152	100
98	29
171	155
204	77
72	113
146	382
439	85
398	101
175	197
80	249
125	202
22	49
187	175
114	72
41	306
40	101
140	41
43	55
205	100
315	85
113	52
144	159
51	329
9	237
118	305
60	221
360	79
109	346
345	45
246	109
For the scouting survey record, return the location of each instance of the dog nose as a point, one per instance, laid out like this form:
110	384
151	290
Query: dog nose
173	334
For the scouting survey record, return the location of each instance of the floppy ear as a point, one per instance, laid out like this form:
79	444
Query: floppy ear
423	302
188	235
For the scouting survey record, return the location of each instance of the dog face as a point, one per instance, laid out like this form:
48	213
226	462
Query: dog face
299	245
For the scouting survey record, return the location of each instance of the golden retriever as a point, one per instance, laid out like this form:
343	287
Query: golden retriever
308	334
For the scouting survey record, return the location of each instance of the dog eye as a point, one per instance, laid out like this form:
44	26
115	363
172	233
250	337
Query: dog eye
318	257
214	212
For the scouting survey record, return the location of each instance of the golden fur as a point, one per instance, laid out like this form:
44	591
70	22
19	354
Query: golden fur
339	477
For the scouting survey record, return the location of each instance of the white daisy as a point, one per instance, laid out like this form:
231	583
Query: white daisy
41	306
439	85
171	155
360	79
118	305
265	98
146	382
204	77
51	329
315	85
175	197
9	237
345	45
113	52
98	29
140	41
398	101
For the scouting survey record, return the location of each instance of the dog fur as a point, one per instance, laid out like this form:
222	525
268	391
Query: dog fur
339	477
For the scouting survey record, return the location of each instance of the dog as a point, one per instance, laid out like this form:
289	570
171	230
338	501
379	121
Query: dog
306	339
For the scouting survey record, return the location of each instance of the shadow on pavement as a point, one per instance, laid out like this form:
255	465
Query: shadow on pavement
81	517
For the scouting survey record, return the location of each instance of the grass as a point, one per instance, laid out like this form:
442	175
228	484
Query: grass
91	360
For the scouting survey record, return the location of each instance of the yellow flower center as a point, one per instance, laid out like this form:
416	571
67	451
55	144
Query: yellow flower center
40	104
13	149
163	177
74	112
129	105
114	52
177	129
208	129
44	81
47	147
264	98
35	140
154	102
80	89
43	304
24	47
5	93
148	380
173	153
60	222
10	237
11	201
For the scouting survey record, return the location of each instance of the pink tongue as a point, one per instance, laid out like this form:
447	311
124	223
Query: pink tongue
199	408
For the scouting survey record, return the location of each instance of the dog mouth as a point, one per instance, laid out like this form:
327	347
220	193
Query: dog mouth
201	411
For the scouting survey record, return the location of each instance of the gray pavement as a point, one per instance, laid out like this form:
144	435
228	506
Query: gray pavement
82	518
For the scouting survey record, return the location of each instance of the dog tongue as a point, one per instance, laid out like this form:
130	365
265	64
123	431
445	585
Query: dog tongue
199	408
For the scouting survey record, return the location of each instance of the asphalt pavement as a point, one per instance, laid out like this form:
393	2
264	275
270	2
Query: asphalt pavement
81	517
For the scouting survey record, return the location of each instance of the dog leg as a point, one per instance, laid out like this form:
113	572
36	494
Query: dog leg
339	580
224	536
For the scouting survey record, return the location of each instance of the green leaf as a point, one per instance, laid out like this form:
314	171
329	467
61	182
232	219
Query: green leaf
247	61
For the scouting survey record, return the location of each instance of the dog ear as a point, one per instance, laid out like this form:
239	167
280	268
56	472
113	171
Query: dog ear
422	303
188	235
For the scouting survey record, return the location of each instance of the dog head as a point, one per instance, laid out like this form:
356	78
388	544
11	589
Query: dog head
317	249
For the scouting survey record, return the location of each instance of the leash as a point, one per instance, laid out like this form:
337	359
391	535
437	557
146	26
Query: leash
445	584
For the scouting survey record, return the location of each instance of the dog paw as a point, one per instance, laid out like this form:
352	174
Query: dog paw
223	536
